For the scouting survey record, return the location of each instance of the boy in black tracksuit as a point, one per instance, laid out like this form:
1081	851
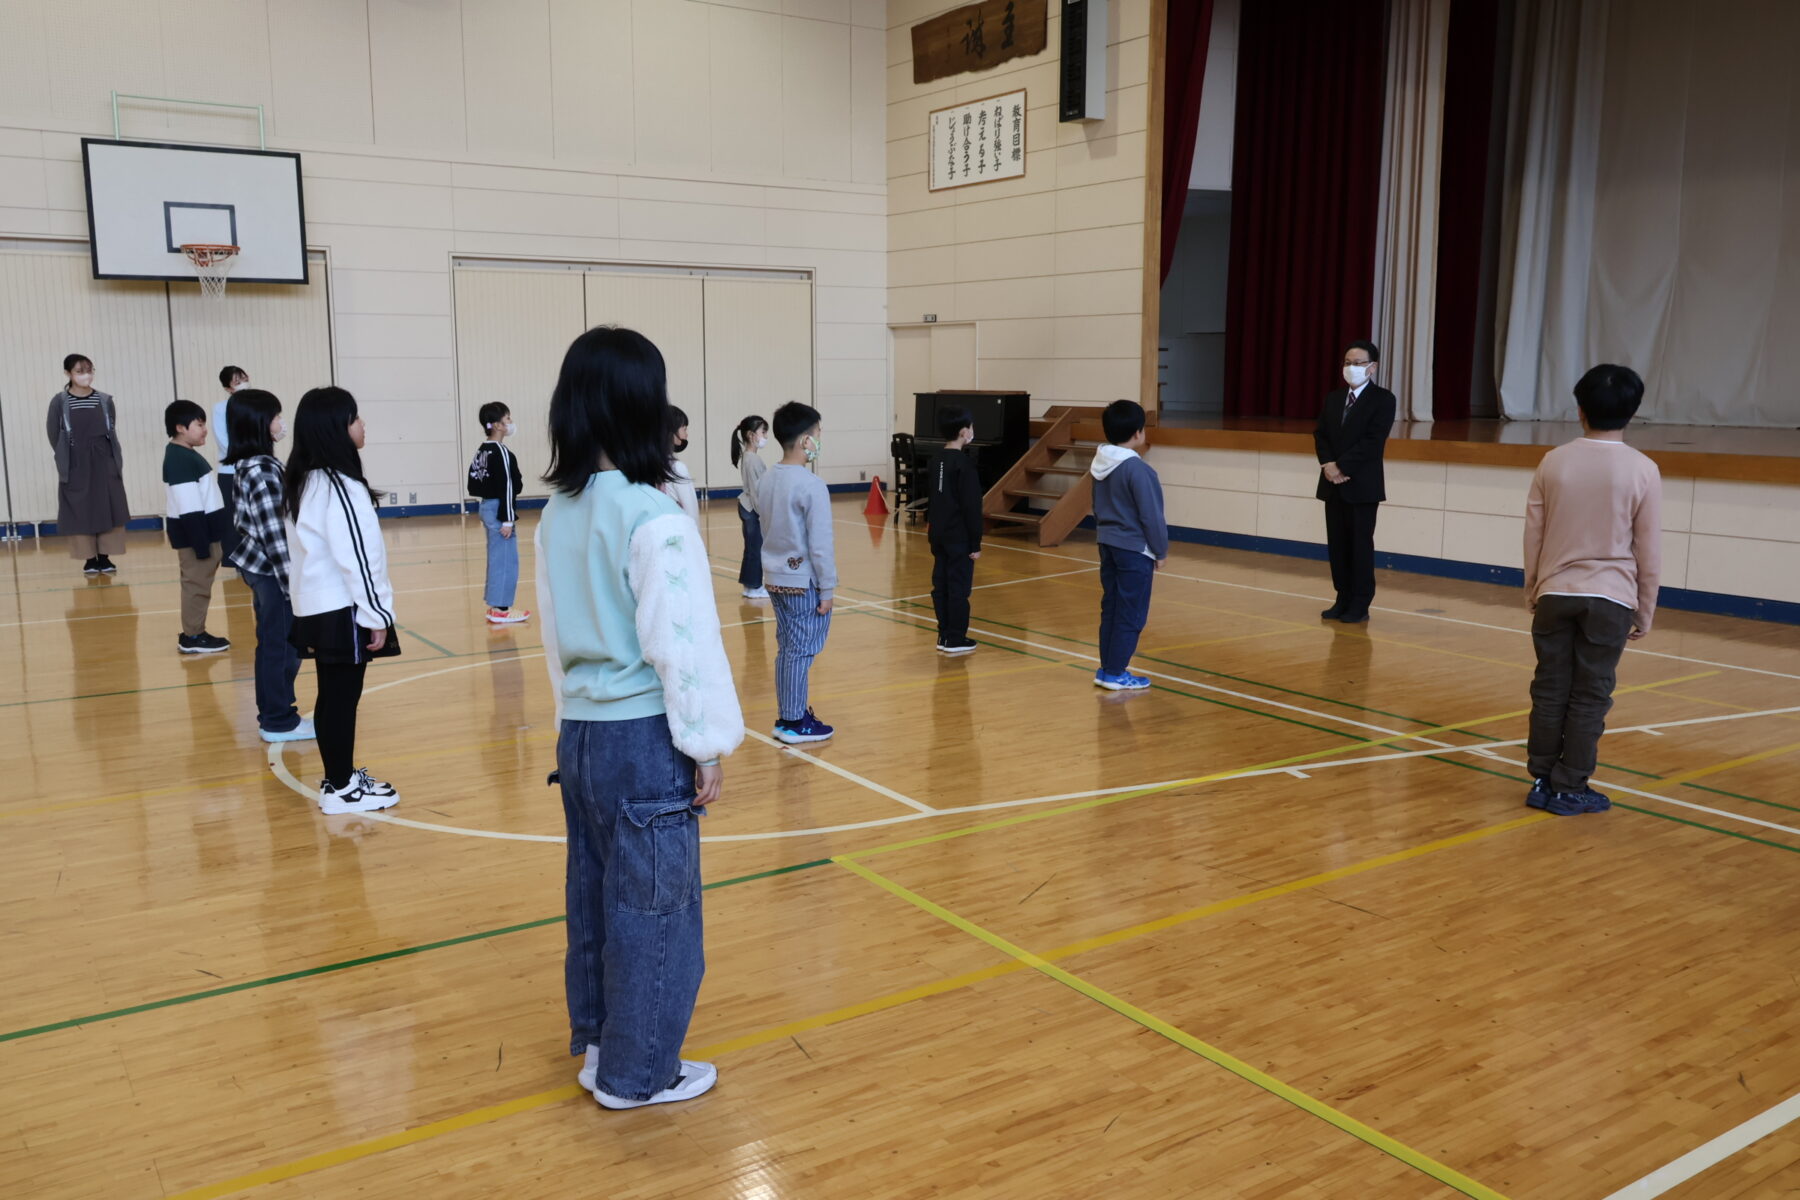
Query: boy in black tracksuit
956	525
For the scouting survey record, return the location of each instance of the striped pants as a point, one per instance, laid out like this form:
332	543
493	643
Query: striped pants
799	636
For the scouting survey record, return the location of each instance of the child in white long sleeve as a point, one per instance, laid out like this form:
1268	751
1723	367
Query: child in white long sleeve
647	710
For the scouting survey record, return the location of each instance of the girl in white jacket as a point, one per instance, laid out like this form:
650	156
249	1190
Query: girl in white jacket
647	709
337	577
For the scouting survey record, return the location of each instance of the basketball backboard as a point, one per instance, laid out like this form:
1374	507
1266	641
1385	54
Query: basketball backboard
147	199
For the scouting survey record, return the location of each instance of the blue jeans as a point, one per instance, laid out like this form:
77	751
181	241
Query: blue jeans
636	953
750	573
277	662
799	636
1125	578
502	559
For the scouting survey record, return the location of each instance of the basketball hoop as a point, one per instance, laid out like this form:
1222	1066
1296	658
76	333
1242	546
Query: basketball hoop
211	264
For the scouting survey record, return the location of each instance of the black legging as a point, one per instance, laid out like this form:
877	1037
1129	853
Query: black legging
334	718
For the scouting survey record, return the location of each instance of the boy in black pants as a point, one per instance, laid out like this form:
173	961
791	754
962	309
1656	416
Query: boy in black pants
956	524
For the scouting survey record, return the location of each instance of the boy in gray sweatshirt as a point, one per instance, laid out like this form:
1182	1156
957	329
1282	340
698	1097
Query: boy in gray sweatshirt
1134	542
799	567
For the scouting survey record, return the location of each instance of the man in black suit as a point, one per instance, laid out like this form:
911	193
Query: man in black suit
1351	437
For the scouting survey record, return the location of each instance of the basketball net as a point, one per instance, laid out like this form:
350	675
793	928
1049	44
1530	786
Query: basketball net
211	265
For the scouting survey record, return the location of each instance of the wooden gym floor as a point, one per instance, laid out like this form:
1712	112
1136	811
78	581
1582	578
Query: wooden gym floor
1280	927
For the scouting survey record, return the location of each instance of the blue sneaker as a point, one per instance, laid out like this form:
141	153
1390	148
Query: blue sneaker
1540	794
1124	681
807	729
1571	804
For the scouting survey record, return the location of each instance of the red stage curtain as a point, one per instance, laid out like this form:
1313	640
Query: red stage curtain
1462	203
1184	74
1306	182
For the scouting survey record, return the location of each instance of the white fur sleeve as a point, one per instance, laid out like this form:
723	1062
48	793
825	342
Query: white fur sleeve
678	630
547	620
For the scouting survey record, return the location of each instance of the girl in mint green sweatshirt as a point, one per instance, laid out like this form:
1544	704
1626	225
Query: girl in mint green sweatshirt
647	710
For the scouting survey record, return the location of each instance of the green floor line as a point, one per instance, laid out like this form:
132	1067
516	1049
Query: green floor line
365	960
490	652
419	637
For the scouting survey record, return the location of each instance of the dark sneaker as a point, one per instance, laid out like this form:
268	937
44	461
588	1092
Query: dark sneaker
1354	616
91	567
1572	804
807	729
204	643
1333	613
1539	796
107	566
960	646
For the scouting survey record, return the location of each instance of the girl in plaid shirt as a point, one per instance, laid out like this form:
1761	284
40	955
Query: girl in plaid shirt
253	419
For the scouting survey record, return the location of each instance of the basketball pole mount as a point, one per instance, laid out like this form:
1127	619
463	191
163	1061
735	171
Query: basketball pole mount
262	138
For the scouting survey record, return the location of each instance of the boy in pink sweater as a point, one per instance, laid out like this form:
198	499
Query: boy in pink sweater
1593	555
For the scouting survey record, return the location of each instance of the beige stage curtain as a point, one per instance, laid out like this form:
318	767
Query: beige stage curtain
1547	222
1696	259
1411	160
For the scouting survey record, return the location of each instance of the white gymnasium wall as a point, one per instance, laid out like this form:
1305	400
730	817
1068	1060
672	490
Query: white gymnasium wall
750	132
1050	266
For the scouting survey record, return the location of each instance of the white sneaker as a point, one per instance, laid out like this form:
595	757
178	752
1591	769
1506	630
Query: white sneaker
756	593
507	616
372	786
352	799
696	1079
303	732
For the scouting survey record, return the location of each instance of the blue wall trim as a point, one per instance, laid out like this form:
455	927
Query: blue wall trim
1685	599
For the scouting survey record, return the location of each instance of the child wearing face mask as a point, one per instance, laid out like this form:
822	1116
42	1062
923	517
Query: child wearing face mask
233	380
680	487
494	479
254	424
800	564
747	441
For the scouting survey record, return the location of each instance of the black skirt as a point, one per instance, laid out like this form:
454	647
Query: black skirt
335	637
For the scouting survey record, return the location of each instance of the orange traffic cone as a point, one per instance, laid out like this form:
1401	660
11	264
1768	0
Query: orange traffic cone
877	505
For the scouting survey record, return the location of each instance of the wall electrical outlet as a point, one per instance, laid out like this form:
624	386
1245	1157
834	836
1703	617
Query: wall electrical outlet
412	497
863	476
931	318
393	497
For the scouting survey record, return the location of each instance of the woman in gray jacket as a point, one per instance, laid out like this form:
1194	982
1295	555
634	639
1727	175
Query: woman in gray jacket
90	469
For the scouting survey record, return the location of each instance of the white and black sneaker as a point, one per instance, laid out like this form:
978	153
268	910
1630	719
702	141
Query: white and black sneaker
960	646
372	786
352	798
696	1079
91	567
201	643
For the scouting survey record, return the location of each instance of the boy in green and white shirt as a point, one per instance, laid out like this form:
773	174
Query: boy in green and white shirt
196	520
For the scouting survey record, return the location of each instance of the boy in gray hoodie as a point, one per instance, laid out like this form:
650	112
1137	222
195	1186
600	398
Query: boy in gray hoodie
1134	542
799	567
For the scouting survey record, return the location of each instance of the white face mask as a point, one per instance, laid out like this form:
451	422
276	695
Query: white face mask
812	451
279	431
1356	376
240	385
511	429
761	441
84	379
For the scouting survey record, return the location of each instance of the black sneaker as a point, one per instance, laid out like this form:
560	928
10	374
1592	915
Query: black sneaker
960	646
1333	613
204	643
1570	804
91	567
107	566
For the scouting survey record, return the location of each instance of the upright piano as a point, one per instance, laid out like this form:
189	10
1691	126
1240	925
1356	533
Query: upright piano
1002	429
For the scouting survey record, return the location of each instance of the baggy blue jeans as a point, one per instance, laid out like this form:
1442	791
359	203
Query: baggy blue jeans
277	662
636	951
1125	579
502	559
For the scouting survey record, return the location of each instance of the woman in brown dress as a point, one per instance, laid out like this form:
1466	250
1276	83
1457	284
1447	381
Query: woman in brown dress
90	467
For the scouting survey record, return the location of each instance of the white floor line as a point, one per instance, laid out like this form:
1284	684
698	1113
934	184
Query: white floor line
840	772
1670	1176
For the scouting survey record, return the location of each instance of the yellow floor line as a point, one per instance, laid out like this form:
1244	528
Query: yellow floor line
495	1112
1702	772
1237	1066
